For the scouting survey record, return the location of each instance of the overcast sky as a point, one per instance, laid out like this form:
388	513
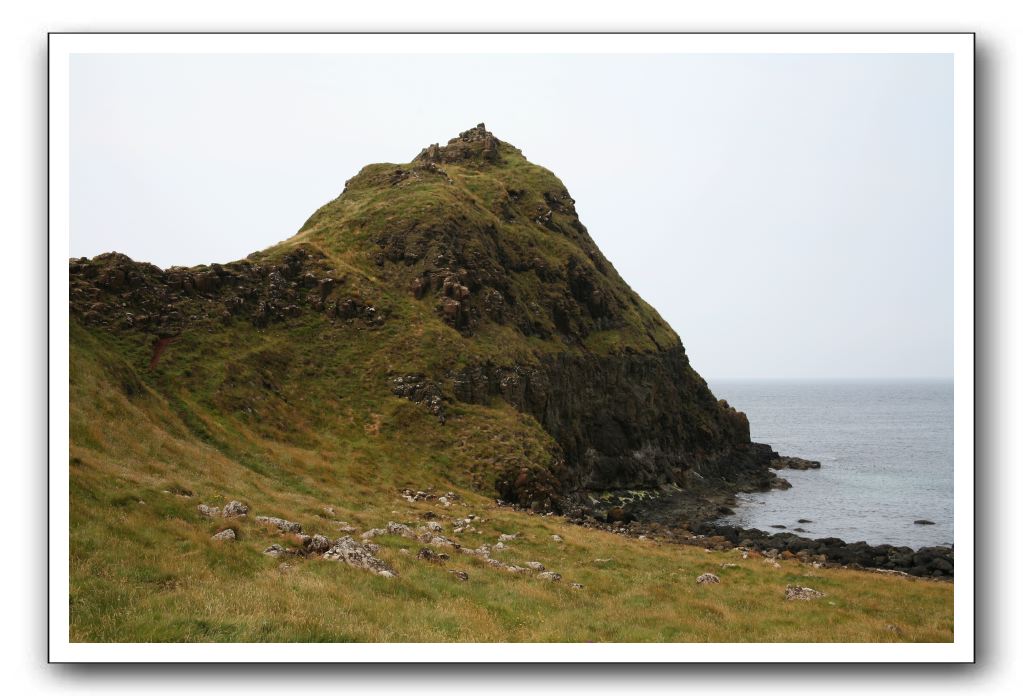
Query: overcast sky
789	215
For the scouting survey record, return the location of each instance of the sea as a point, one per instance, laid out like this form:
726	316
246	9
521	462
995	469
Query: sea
885	449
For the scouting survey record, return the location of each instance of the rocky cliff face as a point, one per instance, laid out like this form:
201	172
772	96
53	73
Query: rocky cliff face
479	284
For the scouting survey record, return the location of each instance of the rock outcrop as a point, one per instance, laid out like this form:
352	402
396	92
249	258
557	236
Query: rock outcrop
483	255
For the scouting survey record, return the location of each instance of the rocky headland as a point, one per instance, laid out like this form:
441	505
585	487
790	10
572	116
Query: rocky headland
454	304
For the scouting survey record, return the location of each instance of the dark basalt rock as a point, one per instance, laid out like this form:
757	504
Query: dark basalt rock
794	463
929	561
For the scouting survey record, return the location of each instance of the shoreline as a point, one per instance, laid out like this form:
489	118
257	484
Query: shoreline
692	516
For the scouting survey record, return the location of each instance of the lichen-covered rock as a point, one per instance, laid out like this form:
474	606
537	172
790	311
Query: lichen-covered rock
550	576
426	554
794	592
225	535
708	579
318	544
283	525
461	575
400	530
535	565
235	509
275	550
207	511
351	552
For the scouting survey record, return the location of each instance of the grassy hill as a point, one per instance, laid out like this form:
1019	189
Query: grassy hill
445	325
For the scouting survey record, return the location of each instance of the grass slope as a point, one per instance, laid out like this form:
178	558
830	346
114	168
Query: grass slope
143	566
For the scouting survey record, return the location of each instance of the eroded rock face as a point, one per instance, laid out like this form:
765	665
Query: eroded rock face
624	421
113	291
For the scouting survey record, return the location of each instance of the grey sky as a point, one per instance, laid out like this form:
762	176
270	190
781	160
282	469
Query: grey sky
789	215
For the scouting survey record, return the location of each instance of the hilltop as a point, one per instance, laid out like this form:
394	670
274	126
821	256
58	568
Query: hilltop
440	354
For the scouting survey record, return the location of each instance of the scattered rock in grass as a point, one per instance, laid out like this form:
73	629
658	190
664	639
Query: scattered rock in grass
535	565
426	554
284	568
802	593
576	586
283	525
357	555
370	533
225	535
922	522
771	562
318	544
207	511
602	560
507	537
414	496
708	579
461	575
275	550
236	509
343	526
557	539
892	628
729	565
328	511
403	552
443	500
441	541
483	551
435	527
499	546
400	530
304	539
550	576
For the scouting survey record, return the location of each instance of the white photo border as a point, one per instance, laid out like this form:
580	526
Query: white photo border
63	45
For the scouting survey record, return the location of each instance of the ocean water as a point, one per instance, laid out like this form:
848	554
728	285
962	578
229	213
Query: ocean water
885	449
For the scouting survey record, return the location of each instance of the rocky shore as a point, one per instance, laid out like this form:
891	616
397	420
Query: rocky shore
674	517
